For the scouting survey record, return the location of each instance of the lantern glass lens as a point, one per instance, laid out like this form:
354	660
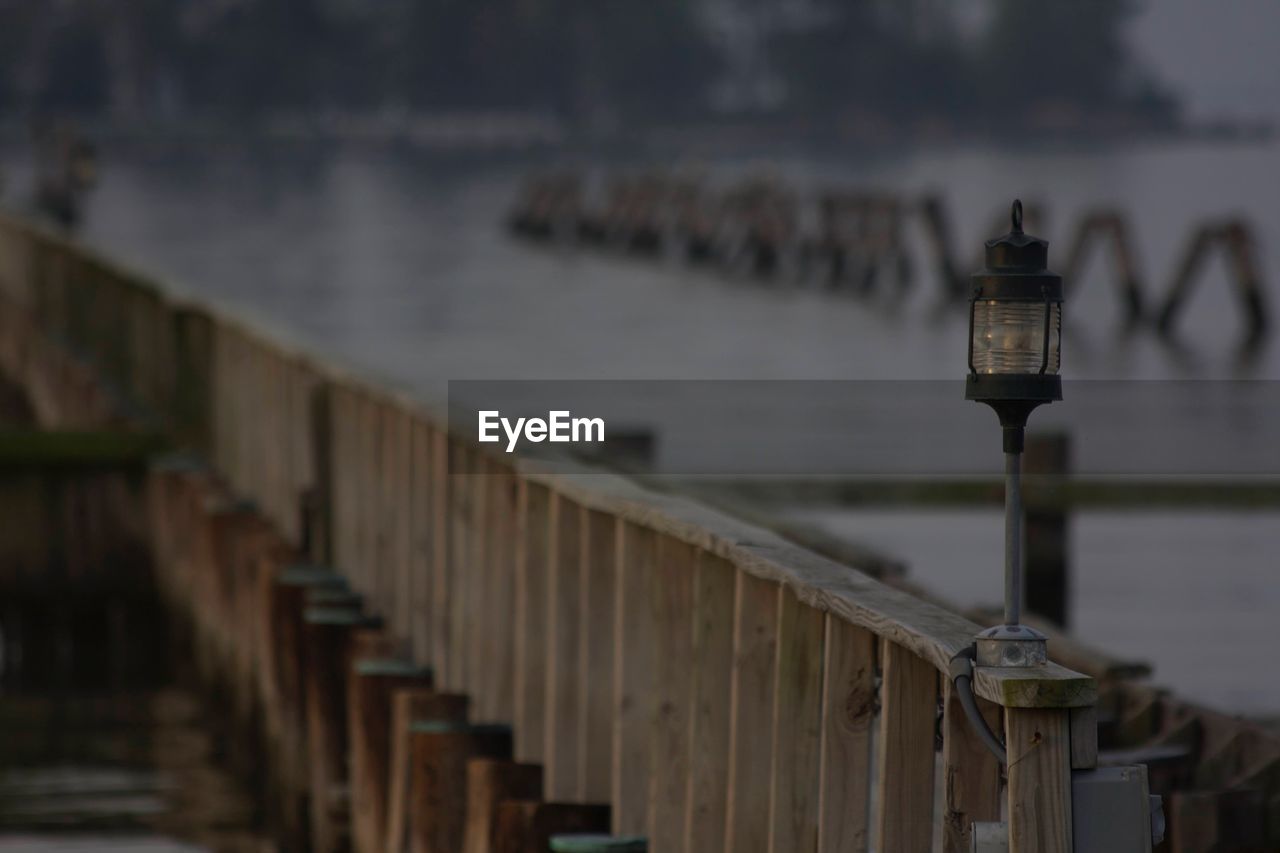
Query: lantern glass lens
1008	337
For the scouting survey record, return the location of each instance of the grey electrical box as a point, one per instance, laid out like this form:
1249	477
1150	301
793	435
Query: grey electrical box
1112	811
989	838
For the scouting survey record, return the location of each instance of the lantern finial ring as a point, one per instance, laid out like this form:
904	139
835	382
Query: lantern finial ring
1016	216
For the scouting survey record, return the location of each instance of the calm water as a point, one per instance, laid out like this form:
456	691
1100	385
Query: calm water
398	265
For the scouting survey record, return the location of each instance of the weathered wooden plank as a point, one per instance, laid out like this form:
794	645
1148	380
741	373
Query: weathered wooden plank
670	599
422	535
751	720
441	574
476	602
494	691
797	728
971	773
1084	738
908	716
564	645
633	667
599	592
372	566
1039	746
340	483
848	709
711	663
531	624
461	564
399	510
1034	687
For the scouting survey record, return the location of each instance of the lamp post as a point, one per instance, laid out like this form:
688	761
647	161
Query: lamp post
1015	340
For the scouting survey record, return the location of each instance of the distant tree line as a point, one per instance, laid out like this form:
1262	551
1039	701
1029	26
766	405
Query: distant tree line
656	59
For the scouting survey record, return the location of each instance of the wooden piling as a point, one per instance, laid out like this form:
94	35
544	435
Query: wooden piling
527	827
285	601
491	782
369	695
409	705
439	752
328	635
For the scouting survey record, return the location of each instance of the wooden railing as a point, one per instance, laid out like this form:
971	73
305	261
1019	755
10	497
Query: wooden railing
718	686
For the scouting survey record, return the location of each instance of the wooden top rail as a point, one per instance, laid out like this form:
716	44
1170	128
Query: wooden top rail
928	631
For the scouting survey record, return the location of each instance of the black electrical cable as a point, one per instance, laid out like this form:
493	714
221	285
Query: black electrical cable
962	678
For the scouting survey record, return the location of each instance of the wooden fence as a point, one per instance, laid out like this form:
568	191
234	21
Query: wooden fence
717	686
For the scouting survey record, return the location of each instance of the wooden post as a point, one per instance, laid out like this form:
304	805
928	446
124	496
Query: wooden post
752	689
528	827
439	752
1039	746
407	706
490	782
971	773
797	727
373	681
849	707
328	636
712	666
908	712
531	621
287	714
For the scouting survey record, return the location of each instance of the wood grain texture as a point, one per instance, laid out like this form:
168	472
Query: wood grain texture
908	719
369	713
441	574
670	600
531	624
438	781
755	640
971	773
848	710
461	565
1039	747
797	728
370	568
564	645
491	782
422	534
1084	738
712	667
633	667
494	689
400	516
409	705
477	634
599	593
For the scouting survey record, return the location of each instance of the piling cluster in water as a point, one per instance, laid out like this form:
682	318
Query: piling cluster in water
854	239
851	239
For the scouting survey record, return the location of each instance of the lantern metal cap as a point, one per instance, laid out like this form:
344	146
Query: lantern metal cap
1016	251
